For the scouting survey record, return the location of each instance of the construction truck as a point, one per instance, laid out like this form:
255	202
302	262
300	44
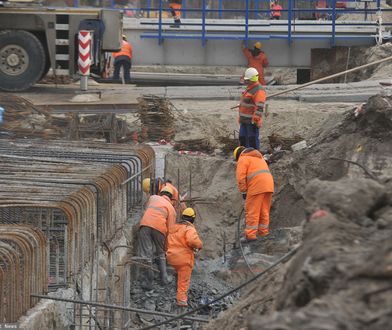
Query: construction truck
35	39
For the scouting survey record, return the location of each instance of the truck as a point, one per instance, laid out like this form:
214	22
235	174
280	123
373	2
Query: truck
35	39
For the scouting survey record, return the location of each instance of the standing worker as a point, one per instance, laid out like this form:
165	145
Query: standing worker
175	9
123	59
256	184
251	108
256	59
182	243
157	221
276	10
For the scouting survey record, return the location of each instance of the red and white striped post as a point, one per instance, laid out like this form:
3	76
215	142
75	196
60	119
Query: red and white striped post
84	60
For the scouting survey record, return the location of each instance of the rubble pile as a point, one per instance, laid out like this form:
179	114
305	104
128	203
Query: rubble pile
157	118
341	276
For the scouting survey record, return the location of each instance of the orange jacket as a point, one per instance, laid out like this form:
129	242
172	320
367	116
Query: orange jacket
258	62
176	5
126	50
181	242
253	175
276	10
252	105
175	199
159	214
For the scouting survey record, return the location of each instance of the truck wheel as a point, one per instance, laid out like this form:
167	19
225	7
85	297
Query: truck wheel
22	60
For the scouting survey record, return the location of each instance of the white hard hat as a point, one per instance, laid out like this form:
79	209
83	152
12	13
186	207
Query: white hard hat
249	73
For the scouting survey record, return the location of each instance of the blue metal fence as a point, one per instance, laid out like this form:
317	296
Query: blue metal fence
249	15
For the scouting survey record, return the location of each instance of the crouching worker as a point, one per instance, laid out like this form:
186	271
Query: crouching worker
182	243
157	221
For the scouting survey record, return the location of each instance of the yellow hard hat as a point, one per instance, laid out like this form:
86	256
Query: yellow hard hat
258	45
167	191
189	214
146	185
237	152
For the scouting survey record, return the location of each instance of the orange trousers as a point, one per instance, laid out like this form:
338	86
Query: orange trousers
184	273
257	213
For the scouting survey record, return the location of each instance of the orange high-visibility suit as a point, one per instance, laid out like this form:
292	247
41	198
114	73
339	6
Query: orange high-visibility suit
258	61
181	243
255	179
276	11
252	104
160	214
175	6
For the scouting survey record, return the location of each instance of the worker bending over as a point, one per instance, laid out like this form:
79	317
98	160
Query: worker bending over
182	243
251	108
157	221
256	59
153	187
256	184
175	9
123	59
276	10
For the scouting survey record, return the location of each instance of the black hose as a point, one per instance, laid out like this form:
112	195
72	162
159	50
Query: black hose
288	254
239	241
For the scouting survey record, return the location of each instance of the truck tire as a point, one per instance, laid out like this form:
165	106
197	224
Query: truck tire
22	60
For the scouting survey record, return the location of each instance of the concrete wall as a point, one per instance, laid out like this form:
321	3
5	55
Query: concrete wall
219	52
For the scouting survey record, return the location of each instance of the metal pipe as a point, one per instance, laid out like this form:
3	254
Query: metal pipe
137	174
129	309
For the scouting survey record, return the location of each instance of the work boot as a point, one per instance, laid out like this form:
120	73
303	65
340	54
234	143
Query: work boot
182	303
247	240
177	23
165	278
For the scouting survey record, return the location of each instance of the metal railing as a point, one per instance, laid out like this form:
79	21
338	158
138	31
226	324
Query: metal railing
252	19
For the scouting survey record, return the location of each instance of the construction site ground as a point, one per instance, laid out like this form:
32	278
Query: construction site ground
332	201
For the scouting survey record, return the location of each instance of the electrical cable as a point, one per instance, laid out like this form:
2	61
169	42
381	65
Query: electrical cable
277	262
239	241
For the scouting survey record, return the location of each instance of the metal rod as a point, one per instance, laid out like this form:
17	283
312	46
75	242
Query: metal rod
389	58
130	309
137	174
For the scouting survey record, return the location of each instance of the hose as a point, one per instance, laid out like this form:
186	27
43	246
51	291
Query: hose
239	241
283	258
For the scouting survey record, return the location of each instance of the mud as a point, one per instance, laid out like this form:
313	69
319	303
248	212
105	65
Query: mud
340	278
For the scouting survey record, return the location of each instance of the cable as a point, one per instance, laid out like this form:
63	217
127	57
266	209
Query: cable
289	254
239	240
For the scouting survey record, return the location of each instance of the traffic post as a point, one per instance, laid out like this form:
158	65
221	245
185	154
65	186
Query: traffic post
84	60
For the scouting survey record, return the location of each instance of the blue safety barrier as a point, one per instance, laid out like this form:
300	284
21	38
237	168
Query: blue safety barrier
254	13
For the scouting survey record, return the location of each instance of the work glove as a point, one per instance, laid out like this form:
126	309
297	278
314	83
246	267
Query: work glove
244	196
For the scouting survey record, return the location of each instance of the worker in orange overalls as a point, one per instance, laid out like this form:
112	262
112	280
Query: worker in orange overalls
276	10
123	59
153	187
251	108
256	59
175	9
158	219
256	184
182	243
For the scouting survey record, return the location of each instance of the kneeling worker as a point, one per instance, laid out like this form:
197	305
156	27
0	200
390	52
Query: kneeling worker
182	243
155	224
256	184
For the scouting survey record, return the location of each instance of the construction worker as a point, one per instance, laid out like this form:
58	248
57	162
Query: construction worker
256	59
251	108
155	224
123	59
256	184
155	186
182	243
175	9
276	10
